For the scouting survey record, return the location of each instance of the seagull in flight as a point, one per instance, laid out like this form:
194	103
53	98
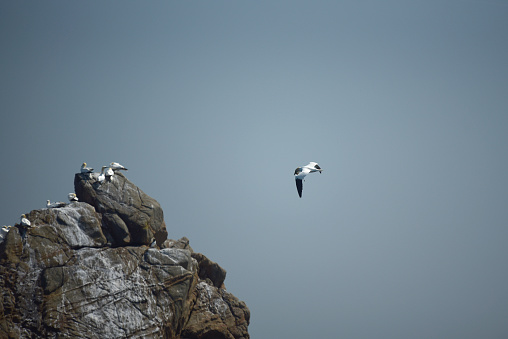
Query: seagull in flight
301	172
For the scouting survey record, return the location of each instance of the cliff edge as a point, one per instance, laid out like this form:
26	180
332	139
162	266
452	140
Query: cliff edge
104	268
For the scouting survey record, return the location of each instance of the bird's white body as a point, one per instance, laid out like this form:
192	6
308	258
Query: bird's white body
72	197
301	172
3	232
117	167
106	172
109	172
24	221
101	176
85	169
55	204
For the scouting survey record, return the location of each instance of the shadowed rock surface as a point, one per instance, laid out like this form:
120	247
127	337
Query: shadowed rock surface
78	272
130	217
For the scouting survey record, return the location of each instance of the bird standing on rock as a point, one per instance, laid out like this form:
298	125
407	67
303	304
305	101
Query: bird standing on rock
85	169
24	221
117	167
72	197
55	204
3	232
108	173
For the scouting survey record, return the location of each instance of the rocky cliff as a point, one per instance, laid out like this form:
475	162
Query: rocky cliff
104	268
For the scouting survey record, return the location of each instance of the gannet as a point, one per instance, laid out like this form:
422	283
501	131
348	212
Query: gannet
3	232
301	172
109	172
72	197
101	176
55	204
117	167
24	221
85	169
105	174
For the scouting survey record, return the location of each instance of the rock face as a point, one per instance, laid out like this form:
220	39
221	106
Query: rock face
130	216
85	270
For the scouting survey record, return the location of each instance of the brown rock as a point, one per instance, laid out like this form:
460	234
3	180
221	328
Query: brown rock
210	270
131	217
63	278
217	314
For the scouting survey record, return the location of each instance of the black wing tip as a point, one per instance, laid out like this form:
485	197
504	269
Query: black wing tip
299	186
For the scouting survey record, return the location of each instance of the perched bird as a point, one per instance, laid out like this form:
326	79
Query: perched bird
109	172
3	232
301	172
117	167
72	197
55	204
85	169
105	174
101	176
24	221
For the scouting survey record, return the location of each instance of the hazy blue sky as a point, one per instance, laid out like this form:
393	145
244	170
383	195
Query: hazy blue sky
213	104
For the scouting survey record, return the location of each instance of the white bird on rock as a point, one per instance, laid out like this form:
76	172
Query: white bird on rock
117	167
301	172
24	221
55	204
108	173
85	169
72	197
101	176
3	232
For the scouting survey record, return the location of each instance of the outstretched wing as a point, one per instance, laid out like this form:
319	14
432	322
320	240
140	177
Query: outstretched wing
299	186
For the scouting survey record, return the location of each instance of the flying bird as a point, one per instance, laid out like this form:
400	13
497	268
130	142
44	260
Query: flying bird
117	167
85	169
301	172
72	197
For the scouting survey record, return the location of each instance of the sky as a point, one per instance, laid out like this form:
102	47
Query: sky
213	104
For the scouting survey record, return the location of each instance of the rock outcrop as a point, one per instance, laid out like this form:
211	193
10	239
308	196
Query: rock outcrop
130	217
91	269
